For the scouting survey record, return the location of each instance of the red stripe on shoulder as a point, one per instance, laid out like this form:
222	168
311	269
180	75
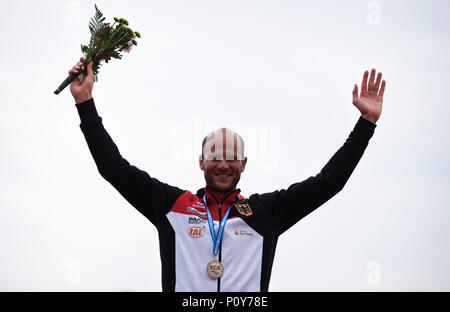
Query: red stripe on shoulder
189	203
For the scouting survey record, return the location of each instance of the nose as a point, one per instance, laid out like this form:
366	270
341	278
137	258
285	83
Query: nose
223	165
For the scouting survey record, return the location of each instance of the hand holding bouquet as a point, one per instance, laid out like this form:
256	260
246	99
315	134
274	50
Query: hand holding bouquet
107	41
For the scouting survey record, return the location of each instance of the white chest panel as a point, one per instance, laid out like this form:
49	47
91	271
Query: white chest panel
241	255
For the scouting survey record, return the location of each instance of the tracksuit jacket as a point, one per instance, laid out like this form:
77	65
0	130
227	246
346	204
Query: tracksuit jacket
254	224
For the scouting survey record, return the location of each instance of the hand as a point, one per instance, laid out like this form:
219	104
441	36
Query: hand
370	102
82	90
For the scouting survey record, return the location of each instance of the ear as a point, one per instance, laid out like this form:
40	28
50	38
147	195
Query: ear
200	163
244	162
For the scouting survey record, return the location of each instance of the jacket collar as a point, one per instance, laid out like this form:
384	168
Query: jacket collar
213	201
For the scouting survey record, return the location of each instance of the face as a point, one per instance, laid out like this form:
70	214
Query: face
223	162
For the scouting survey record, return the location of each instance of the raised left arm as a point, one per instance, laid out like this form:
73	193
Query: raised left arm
300	199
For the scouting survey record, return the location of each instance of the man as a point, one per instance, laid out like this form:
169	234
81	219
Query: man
217	239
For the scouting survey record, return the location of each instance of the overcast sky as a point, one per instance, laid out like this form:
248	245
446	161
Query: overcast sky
281	74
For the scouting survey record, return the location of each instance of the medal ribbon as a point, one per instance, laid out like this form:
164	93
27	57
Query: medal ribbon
217	238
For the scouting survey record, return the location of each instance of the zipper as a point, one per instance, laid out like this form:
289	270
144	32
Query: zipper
220	246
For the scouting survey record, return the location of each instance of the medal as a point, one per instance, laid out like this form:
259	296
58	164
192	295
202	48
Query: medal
214	267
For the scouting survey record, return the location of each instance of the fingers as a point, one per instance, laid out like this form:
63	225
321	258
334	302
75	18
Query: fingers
355	92
364	81
377	82
371	79
373	86
76	68
383	85
89	68
369	83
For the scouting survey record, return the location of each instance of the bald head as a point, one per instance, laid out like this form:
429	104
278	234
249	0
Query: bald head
221	144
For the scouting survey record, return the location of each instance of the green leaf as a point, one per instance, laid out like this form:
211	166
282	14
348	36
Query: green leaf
96	22
84	49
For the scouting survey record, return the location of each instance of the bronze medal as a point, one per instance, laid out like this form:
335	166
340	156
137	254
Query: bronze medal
214	269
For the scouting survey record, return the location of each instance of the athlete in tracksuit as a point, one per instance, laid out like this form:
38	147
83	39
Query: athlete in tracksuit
187	222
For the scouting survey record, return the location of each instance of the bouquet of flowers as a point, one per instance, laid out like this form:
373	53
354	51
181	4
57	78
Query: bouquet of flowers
107	41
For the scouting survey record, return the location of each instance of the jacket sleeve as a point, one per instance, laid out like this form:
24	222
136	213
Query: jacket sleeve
288	206
149	196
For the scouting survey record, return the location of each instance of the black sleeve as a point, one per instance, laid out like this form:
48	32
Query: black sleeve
287	206
149	196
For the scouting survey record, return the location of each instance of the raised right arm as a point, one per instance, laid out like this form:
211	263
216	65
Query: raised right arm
148	195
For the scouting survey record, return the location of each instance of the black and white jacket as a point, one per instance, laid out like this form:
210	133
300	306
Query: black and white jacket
248	245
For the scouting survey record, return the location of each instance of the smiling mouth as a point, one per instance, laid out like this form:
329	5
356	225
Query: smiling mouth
222	175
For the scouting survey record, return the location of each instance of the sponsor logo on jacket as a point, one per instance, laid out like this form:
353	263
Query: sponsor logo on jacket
196	220
199	204
243	233
195	211
196	231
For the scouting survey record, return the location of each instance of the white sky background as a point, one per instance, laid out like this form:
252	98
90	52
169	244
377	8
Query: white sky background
280	73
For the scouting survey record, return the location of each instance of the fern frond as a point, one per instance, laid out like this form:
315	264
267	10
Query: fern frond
97	21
